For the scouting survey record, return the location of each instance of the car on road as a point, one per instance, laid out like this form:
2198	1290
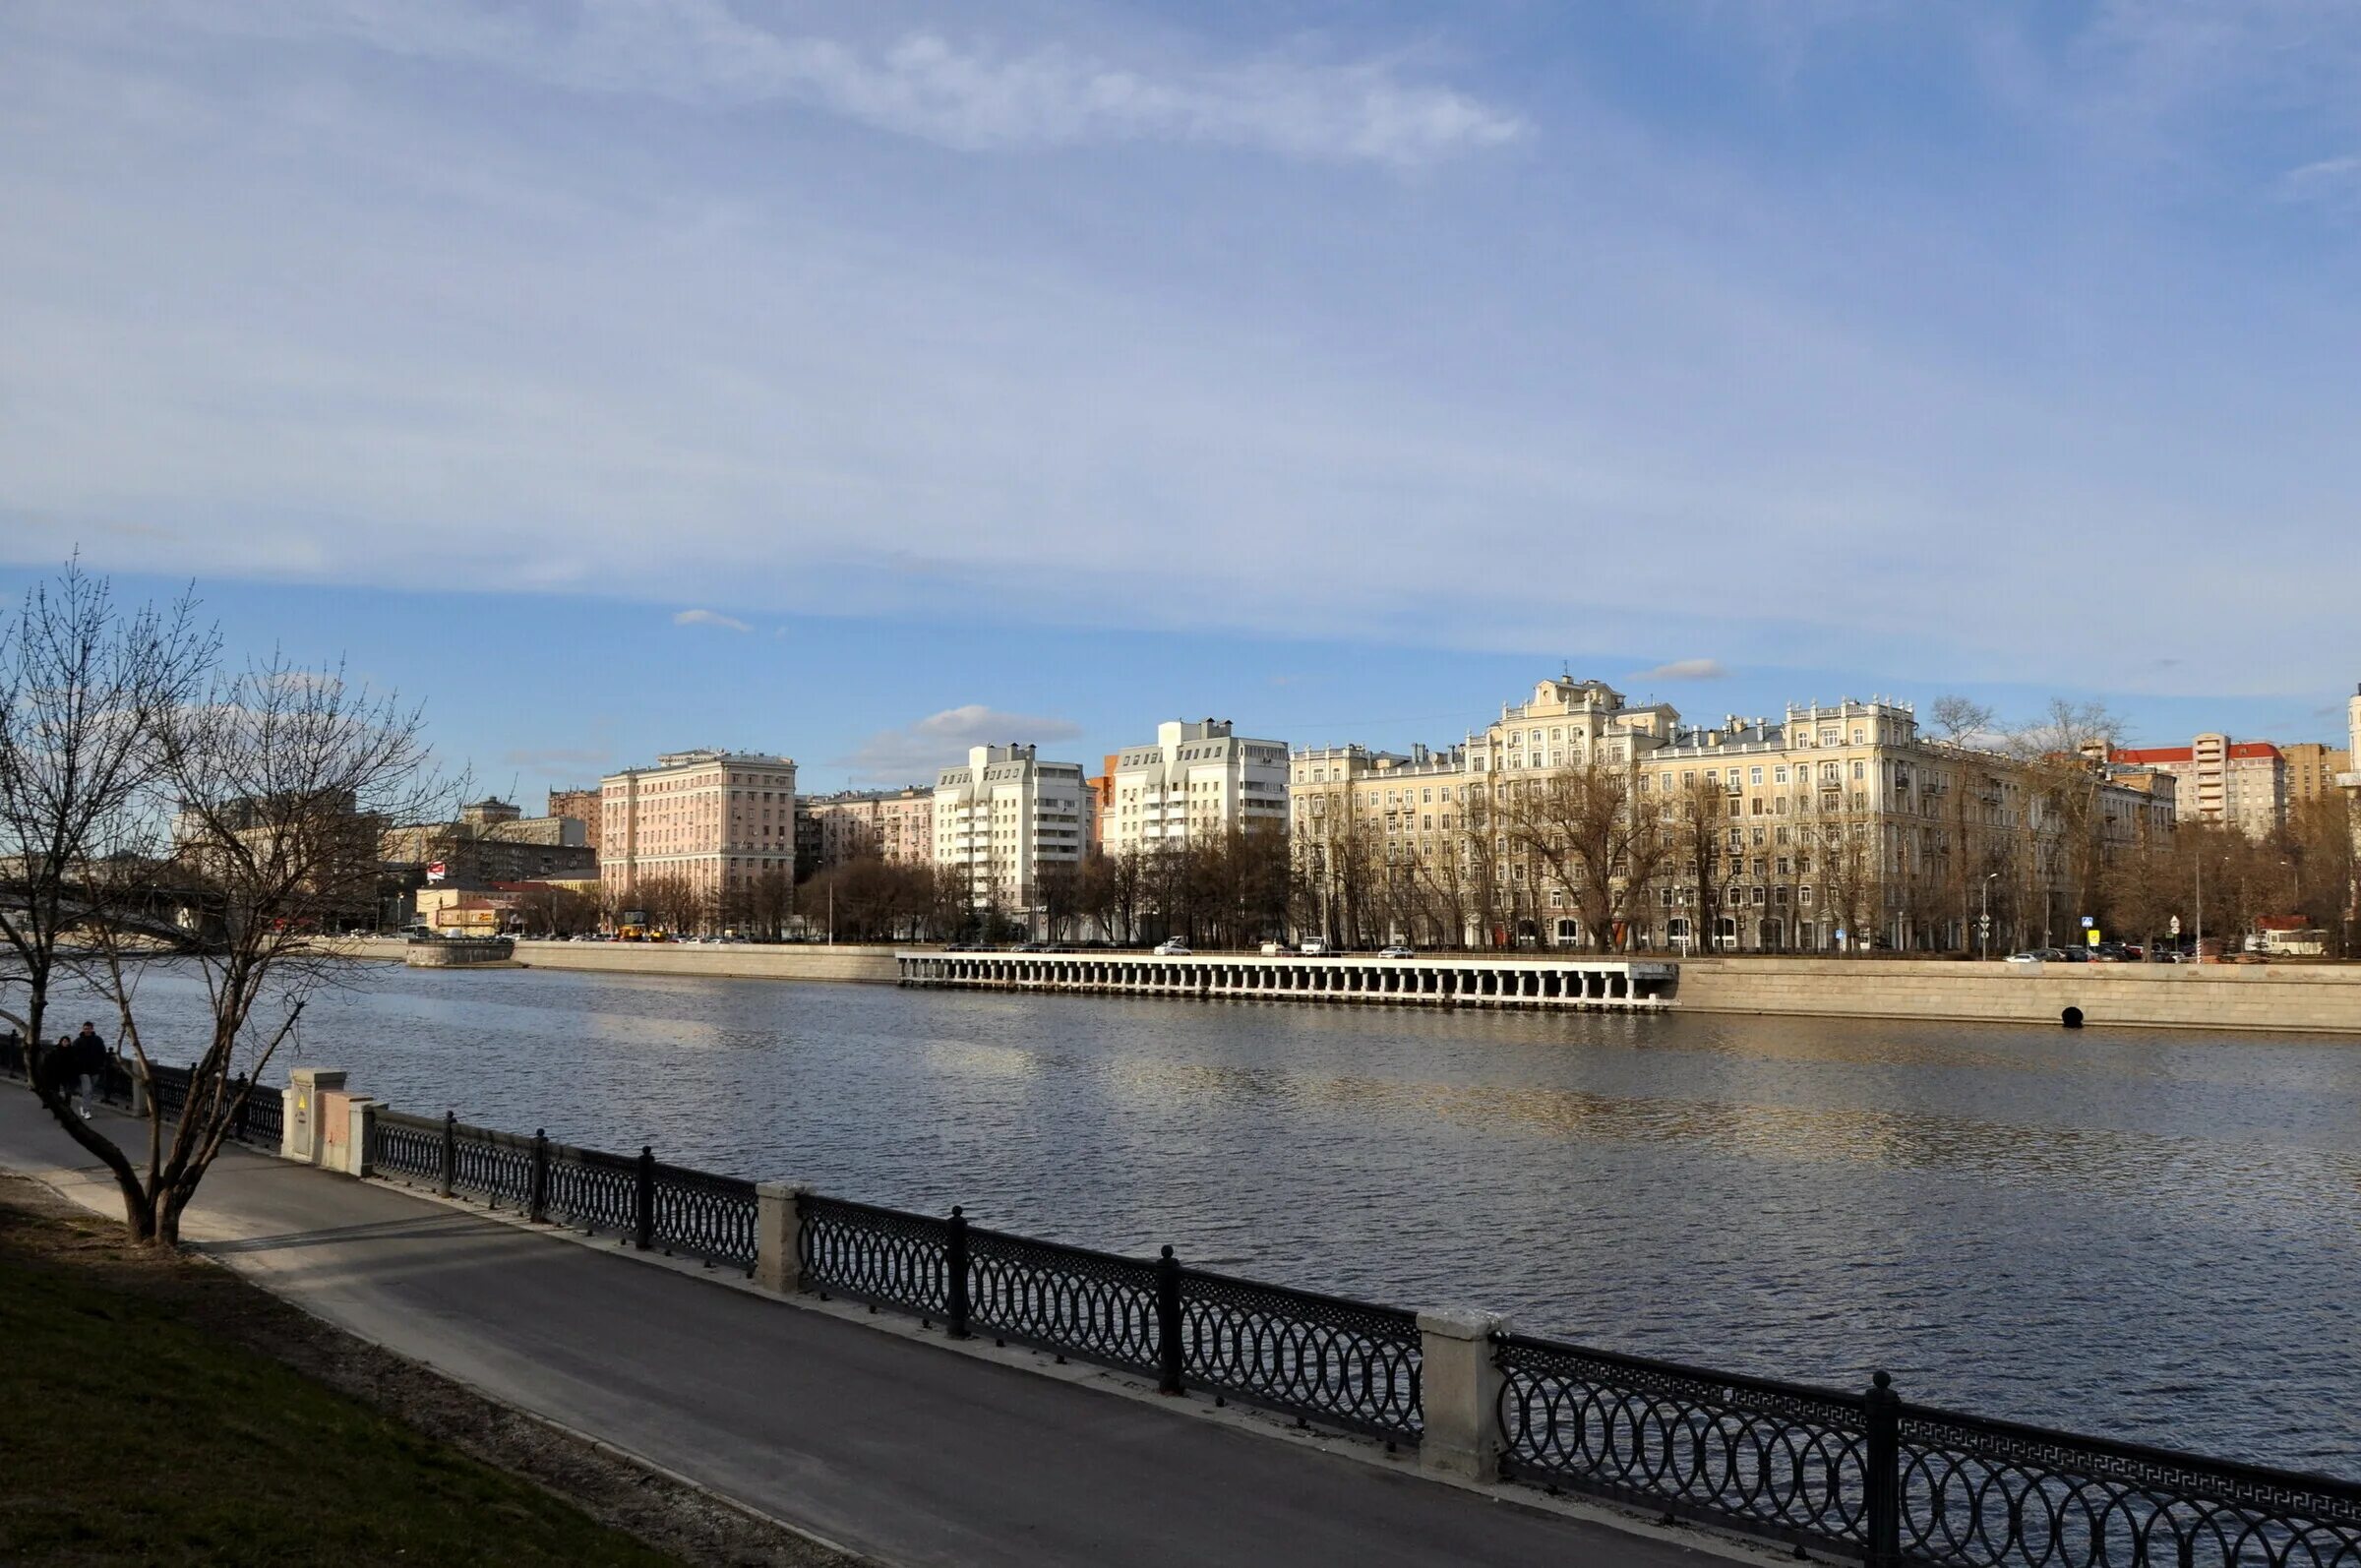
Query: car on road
1317	948
2044	955
1273	949
1397	950
1173	948
1031	947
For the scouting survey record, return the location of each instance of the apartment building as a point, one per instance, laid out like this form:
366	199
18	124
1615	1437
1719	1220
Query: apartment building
2311	769
886	824
710	821
1197	780
582	805
1010	820
493	841
1835	825
2241	784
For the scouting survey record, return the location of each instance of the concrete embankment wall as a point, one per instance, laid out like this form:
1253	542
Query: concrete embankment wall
730	961
2289	996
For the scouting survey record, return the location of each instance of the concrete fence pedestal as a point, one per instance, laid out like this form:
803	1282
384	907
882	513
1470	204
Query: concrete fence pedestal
302	1136
361	1136
1460	1392
778	1231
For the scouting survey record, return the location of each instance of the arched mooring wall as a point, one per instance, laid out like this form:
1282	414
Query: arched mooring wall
1441	980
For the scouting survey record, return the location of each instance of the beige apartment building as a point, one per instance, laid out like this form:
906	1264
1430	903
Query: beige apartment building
896	826
2311	769
583	806
708	821
1834	826
1197	780
2241	784
1010	820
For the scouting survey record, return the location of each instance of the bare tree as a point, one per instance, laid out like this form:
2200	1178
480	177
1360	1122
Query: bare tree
1577	827
83	691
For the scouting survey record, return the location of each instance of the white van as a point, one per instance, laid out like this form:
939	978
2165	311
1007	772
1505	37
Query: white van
1316	948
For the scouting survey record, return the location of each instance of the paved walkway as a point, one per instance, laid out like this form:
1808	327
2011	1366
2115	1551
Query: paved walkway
910	1452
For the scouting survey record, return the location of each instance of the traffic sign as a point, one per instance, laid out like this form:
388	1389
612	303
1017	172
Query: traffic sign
2176	925
2092	936
2090	920
1984	924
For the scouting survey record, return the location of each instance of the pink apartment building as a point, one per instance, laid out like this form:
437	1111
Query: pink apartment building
713	819
893	825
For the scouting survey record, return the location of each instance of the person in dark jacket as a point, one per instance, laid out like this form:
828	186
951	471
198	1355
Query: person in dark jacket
86	1055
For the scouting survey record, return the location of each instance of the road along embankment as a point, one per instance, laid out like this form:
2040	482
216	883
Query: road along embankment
2305	997
723	961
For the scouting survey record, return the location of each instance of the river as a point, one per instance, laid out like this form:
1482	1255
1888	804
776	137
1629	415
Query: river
2139	1233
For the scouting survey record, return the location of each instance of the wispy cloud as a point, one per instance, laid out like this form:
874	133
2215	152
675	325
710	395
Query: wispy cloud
910	753
2332	183
714	618
1683	670
974	95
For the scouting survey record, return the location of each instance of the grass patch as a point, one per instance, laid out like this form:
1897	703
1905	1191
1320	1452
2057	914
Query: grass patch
138	1431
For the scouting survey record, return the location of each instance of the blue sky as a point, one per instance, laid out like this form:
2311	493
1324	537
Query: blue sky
1051	368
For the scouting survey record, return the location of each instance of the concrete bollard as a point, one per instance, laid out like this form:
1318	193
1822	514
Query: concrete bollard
1459	1390
778	1231
301	1135
361	1136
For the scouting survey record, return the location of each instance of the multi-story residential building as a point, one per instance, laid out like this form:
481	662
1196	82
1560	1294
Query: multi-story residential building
581	805
1836	826
1009	822
493	841
1195	781
1101	804
710	821
2241	784
896	825
2311	769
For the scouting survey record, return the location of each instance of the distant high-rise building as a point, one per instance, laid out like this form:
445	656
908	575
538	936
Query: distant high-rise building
896	826
582	805
2311	769
2241	784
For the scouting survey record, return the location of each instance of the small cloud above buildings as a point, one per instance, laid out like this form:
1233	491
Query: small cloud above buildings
912	754
710	618
1685	670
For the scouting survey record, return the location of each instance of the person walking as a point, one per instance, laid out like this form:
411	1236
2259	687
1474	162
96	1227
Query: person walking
89	1060
65	1063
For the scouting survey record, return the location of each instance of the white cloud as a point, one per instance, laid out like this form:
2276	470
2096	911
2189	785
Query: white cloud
912	754
1683	670
972	95
710	618
2332	183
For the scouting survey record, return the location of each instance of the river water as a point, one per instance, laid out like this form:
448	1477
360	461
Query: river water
2141	1233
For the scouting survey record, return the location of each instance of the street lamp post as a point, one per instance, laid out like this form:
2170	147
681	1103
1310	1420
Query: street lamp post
1984	923
2199	951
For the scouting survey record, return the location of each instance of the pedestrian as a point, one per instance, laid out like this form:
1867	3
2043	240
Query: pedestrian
65	1067
90	1063
12	1052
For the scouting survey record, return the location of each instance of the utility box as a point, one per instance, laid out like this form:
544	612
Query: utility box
306	1088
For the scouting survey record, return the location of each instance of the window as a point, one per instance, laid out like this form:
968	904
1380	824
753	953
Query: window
1778	776
1858	770
1856	735
1754	775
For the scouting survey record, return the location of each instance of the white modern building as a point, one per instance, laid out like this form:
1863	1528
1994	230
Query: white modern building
1196	781
1008	820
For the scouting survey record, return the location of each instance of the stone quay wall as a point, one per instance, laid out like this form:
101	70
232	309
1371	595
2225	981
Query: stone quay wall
2300	998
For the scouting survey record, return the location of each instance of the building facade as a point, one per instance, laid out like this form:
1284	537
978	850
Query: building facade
582	805
1010	822
2241	784
1197	780
709	822
896	826
1836	826
2311	769
493	841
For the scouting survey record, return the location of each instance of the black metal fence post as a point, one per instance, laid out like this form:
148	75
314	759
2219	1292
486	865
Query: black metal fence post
537	1197
954	1263
1882	1484
644	1201
1168	1323
451	1153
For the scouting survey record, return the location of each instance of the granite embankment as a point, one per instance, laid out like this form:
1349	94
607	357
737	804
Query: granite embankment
2309	997
2317	998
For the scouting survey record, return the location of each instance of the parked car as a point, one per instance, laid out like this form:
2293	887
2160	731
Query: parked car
1397	950
1273	949
1174	947
1031	947
1317	948
2044	955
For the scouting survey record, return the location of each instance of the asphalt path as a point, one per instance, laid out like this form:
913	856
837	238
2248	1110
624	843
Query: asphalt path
910	1452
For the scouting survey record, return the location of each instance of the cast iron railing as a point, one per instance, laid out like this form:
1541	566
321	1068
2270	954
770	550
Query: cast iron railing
1342	1362
656	1206
262	1121
1868	1477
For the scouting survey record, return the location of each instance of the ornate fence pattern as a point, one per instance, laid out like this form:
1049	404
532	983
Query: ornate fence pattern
592	1192
881	1257
1345	1362
1068	1300
707	1215
407	1146
265	1120
1774	1459
1975	1493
